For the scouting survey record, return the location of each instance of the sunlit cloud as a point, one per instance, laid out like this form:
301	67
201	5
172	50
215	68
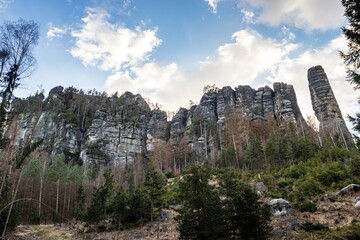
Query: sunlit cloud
213	4
304	14
111	46
55	32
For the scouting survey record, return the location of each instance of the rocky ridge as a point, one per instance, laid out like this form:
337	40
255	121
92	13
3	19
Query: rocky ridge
118	136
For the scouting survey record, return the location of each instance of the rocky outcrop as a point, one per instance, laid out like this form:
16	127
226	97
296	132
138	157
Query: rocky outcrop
58	136
324	103
285	103
178	126
226	102
118	129
349	189
116	138
280	207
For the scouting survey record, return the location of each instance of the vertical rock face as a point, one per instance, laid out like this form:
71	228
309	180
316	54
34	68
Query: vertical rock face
245	96
324	103
158	129
58	136
207	107
178	126
285	102
226	102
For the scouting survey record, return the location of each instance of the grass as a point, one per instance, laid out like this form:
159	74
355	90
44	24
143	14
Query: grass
351	232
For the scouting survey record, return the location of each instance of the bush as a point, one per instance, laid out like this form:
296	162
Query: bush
305	206
308	226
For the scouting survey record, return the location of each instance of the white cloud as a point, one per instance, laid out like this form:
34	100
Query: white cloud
237	63
286	34
213	4
305	14
55	32
111	46
248	16
5	3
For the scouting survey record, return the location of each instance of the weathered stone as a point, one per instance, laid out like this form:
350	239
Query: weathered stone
357	205
207	107
178	126
261	188
324	103
226	101
285	102
352	188
280	207
245	96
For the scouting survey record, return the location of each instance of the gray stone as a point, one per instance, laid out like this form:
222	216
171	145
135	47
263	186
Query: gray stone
261	188
324	103
357	205
280	207
349	189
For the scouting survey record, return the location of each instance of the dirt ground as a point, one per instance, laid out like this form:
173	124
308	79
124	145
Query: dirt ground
336	212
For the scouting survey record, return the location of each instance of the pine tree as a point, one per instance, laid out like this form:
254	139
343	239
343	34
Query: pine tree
97	208
202	216
79	203
56	174
254	155
154	188
246	217
352	56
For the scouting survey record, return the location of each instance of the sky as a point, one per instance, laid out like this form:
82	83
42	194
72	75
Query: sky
168	50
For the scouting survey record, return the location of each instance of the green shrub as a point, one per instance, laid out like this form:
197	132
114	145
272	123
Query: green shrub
308	226
305	206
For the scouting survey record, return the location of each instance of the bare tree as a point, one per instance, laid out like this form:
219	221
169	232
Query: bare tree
17	40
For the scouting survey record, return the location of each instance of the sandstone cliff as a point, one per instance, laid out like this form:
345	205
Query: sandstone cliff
116	130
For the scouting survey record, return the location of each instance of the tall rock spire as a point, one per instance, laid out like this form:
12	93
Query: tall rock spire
324	103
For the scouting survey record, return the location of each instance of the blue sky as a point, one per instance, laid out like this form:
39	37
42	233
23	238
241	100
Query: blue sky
168	50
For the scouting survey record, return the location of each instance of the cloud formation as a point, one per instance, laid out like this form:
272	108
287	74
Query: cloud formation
5	3
213	4
55	32
111	46
304	14
240	62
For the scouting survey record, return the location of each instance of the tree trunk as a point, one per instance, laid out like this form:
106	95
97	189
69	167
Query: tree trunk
57	195
41	186
236	155
12	205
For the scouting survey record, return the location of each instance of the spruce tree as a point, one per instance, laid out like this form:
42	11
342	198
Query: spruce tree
56	174
246	217
155	189
352	56
97	208
202	216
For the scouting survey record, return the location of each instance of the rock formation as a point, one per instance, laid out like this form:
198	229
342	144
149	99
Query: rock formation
324	103
120	129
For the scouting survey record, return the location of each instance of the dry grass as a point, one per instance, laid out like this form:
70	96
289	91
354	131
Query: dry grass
46	232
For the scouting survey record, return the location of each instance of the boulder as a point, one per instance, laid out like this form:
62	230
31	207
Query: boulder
349	189
261	188
280	207
357	205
